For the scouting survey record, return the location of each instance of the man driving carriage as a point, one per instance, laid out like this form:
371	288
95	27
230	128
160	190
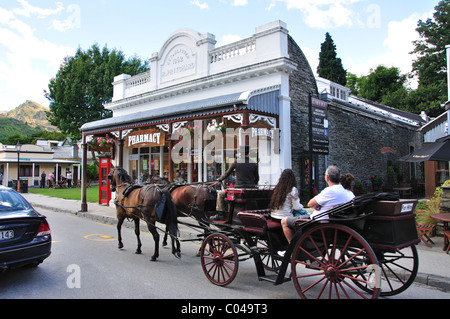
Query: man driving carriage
246	177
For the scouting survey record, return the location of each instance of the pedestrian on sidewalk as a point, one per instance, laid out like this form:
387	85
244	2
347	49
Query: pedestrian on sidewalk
43	175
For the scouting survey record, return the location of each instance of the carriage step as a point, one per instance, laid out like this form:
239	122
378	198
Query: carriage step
272	278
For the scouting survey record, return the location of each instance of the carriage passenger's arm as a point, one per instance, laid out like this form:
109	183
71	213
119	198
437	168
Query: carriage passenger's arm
313	204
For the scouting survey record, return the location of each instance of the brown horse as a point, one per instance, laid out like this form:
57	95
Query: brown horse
143	202
191	200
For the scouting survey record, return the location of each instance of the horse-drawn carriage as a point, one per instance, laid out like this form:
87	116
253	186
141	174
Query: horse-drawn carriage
361	249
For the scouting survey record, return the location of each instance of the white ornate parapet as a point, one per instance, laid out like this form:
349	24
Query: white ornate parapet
188	55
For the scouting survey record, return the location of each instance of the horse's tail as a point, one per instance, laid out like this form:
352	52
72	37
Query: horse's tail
170	214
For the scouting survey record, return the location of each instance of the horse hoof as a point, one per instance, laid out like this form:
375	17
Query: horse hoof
198	254
177	255
138	252
153	258
120	246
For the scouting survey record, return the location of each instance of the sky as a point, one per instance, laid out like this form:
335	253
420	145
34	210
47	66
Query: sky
35	36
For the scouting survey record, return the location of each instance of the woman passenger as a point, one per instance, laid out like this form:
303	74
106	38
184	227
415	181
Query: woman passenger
285	198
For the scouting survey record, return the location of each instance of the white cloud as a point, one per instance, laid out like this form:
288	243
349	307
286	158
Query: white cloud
27	62
28	10
399	44
73	21
324	14
238	3
271	5
197	3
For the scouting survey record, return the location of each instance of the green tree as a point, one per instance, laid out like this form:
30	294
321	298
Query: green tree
330	66
430	65
381	83
353	83
83	85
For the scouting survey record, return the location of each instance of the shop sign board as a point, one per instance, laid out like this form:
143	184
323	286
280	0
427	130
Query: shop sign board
145	138
319	122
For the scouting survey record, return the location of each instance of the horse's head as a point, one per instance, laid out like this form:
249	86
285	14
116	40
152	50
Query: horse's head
112	180
118	176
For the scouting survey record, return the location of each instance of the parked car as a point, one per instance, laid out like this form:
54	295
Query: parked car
25	237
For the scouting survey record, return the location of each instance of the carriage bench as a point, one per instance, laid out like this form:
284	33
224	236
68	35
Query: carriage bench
258	221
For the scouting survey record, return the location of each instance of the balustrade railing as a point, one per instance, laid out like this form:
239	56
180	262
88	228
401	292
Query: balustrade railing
233	50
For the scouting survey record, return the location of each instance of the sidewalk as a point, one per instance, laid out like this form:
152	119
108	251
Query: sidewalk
434	269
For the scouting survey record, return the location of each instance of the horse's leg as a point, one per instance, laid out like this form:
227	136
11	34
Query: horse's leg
137	231
176	247
120	220
155	234
164	242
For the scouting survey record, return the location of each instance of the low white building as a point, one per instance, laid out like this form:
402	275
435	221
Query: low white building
33	161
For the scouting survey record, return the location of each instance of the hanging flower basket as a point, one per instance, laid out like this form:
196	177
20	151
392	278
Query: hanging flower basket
216	127
102	144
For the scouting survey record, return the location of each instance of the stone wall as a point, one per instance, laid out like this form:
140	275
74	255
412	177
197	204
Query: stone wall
365	146
302	82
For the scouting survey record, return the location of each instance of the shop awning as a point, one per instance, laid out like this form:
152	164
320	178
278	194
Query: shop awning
436	151
267	102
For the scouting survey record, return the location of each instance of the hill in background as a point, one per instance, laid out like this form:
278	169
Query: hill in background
26	119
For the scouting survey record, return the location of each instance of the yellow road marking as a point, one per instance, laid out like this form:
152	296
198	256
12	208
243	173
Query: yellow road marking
99	237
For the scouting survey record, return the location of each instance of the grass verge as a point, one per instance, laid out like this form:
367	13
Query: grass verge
68	193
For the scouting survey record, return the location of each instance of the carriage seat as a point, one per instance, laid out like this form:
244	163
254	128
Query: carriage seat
258	221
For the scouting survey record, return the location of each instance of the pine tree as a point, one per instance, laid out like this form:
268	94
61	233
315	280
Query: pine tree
330	66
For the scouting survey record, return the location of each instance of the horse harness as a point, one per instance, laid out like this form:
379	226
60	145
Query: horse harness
128	191
193	207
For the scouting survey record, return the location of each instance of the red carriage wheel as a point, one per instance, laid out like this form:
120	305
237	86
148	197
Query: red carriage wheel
398	270
267	257
333	261
219	259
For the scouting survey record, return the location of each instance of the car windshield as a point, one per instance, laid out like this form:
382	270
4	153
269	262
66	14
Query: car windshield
10	200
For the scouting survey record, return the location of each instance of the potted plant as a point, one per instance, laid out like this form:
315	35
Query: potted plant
360	188
377	182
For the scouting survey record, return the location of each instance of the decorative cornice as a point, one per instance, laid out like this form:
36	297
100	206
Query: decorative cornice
279	65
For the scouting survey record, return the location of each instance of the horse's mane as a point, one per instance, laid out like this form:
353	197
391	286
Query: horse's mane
123	175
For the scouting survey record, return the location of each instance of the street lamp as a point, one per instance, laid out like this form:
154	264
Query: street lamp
18	146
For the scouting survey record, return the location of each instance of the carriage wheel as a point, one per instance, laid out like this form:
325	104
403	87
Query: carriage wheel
219	259
328	259
398	270
267	258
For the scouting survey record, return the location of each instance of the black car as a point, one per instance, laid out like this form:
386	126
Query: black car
25	237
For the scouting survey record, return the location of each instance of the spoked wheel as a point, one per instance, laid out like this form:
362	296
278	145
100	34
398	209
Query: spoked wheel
219	259
333	261
267	258
398	270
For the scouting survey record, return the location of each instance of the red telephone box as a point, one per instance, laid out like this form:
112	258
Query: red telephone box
104	189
